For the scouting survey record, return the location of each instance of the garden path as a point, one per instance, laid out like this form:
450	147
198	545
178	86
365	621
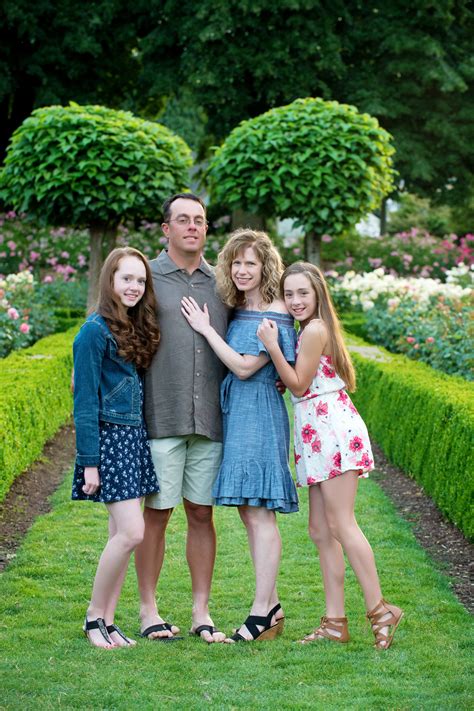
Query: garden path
454	554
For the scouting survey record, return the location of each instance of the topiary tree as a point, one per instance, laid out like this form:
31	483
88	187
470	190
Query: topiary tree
321	163
94	166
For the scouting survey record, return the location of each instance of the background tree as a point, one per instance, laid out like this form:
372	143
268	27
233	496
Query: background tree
322	163
410	64
88	165
56	51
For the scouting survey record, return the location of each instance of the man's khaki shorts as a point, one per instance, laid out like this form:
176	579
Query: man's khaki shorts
186	468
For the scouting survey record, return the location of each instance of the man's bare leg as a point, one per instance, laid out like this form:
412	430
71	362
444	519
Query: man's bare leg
201	555
149	557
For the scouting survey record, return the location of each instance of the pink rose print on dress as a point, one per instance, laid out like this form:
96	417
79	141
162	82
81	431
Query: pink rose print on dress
322	409
337	460
365	461
316	445
297	458
353	409
343	397
307	433
311	480
334	472
356	444
329	372
306	393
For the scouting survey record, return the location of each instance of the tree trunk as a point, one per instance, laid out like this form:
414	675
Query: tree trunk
383	217
102	241
312	248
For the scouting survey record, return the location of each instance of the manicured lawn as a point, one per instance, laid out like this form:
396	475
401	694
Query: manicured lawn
47	664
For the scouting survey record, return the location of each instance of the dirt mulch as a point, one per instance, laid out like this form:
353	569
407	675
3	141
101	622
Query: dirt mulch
30	492
29	497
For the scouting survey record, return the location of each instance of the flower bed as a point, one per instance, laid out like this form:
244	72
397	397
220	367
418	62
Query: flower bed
424	318
29	311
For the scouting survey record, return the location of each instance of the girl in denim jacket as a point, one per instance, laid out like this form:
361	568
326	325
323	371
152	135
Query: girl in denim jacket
113	462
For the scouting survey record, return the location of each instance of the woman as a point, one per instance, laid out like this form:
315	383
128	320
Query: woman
254	474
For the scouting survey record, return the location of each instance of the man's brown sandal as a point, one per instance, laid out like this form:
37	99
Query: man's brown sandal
384	615
333	628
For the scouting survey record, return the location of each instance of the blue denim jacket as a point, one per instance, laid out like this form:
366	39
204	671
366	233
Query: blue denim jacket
106	388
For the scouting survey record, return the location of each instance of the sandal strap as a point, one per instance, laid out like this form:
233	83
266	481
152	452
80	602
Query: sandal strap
116	628
98	624
332	624
253	620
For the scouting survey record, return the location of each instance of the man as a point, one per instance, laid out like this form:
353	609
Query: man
183	417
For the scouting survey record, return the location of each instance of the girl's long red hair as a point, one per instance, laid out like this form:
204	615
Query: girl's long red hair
135	329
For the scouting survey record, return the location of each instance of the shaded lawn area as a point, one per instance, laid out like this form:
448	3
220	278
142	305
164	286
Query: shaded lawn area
46	662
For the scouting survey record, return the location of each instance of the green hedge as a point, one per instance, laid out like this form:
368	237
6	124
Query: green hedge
424	422
35	401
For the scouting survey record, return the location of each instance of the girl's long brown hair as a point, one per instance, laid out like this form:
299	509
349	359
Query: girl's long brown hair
327	313
135	329
267	253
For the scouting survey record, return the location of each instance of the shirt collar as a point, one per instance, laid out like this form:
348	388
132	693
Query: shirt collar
167	266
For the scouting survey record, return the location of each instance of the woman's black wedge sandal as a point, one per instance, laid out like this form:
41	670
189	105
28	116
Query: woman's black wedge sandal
252	623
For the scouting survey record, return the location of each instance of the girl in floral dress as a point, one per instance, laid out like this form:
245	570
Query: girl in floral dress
332	450
113	462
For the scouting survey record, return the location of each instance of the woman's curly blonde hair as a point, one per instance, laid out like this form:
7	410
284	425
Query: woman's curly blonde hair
267	254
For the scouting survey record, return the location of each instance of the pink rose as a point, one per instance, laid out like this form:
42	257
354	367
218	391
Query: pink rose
316	445
24	328
430	339
13	313
410	339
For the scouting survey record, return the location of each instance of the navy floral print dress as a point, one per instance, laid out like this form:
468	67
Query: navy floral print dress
126	468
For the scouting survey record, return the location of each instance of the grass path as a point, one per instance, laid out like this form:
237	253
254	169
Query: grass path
45	662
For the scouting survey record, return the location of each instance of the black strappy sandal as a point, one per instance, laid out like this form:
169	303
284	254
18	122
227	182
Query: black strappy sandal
116	628
280	623
97	624
252	623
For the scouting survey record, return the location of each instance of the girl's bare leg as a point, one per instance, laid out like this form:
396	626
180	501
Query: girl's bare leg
338	496
127	529
331	556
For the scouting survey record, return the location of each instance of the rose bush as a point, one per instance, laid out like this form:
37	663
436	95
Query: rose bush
23	320
423	318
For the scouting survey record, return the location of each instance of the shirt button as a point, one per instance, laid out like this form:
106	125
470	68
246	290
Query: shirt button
198	350
198	374
197	397
192	285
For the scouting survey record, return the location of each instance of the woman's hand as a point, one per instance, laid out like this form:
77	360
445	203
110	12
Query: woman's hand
91	476
268	333
197	318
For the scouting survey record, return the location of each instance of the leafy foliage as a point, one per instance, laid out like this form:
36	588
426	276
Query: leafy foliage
320	162
412	70
441	334
83	164
35	402
424	422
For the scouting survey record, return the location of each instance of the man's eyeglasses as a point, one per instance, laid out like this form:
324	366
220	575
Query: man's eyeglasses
184	221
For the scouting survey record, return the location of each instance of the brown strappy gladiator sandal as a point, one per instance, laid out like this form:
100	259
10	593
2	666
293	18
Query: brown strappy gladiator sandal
333	628
375	617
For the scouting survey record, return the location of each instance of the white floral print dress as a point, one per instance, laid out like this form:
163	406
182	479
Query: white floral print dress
330	435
